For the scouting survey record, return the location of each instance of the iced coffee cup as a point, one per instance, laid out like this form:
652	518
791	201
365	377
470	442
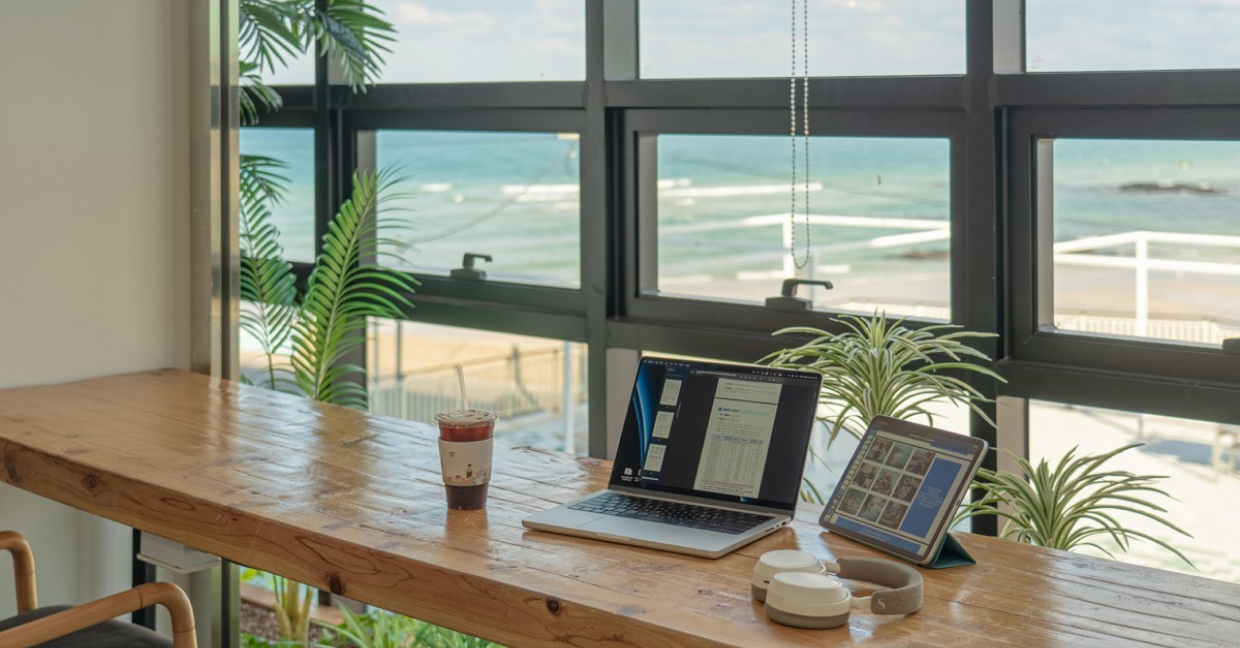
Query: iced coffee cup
465	443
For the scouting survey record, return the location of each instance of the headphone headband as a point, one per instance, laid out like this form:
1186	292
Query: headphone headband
904	583
801	595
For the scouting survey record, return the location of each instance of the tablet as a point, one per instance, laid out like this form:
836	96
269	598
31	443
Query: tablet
902	488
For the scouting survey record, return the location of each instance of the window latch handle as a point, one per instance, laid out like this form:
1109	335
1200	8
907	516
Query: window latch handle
467	269
787	299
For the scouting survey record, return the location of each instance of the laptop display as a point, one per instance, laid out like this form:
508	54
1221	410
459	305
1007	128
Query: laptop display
733	433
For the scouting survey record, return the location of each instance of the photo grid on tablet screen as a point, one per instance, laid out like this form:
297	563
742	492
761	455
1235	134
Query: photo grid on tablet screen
900	489
886	482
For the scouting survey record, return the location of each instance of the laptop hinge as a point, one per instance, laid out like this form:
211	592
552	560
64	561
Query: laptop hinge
704	501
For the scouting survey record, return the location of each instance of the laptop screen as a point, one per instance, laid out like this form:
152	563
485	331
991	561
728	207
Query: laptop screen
734	433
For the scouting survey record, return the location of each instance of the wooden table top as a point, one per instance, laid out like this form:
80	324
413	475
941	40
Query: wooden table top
353	503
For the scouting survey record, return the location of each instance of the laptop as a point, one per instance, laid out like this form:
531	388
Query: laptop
710	458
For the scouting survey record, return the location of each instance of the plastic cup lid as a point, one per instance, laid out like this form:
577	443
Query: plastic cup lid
465	418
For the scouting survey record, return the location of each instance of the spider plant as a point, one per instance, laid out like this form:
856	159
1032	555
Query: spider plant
1071	505
884	367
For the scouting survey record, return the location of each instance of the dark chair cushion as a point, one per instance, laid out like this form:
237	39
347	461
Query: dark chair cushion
111	634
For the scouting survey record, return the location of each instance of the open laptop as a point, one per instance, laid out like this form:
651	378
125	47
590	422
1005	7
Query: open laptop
710	458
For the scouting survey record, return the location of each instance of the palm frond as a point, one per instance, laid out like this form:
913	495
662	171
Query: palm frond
354	33
267	31
254	92
267	285
344	289
261	179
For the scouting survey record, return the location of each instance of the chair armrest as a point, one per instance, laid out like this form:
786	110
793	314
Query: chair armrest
23	569
84	616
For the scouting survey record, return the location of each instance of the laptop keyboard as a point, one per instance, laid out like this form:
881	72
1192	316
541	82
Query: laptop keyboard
686	515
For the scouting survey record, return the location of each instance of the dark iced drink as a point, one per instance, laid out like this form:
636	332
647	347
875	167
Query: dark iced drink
465	448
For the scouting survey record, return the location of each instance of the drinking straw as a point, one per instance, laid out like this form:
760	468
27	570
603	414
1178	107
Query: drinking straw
460	376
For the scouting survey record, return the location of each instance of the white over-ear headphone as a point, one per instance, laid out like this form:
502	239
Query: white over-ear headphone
798	593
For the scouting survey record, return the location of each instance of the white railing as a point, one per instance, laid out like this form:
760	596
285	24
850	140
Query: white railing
541	381
1078	252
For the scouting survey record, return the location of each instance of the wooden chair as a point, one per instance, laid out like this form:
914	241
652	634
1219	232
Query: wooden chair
89	625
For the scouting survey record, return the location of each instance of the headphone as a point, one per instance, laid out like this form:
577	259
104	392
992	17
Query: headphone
798	591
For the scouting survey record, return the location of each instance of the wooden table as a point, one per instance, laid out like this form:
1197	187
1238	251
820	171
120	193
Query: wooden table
352	503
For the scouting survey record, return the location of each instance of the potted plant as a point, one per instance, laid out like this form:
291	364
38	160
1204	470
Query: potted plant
1072	505
884	367
322	326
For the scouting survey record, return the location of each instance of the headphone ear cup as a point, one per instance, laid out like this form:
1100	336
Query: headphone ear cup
804	600
777	562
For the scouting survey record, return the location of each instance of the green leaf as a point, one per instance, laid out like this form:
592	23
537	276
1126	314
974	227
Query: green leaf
1065	507
341	293
880	367
267	285
353	32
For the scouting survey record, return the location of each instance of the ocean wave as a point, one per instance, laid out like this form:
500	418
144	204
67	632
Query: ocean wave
733	190
540	189
670	183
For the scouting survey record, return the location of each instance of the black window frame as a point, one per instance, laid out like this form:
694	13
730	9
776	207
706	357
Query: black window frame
990	115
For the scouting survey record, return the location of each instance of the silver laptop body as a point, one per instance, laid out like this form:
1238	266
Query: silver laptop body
722	436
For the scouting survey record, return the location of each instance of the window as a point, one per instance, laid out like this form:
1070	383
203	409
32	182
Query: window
1145	242
298	70
1071	35
484	40
626	213
293	216
513	196
879	224
536	385
710	39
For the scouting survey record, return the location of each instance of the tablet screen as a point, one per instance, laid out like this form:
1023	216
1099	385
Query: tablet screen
902	487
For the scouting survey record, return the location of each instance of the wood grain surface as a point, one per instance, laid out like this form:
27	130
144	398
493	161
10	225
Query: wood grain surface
353	503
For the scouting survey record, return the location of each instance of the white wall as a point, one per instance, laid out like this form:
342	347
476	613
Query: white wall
94	209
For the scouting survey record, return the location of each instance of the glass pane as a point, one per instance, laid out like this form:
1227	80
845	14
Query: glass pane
294	216
710	39
514	196
536	385
299	70
282	67
449	41
1201	462
879	221
1083	35
1145	238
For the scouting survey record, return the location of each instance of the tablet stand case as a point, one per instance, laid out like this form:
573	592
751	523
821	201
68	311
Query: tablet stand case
951	554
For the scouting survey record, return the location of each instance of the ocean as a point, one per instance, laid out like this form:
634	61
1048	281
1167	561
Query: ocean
880	205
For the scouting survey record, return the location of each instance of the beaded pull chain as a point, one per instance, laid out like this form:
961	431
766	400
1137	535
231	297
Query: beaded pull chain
792	118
